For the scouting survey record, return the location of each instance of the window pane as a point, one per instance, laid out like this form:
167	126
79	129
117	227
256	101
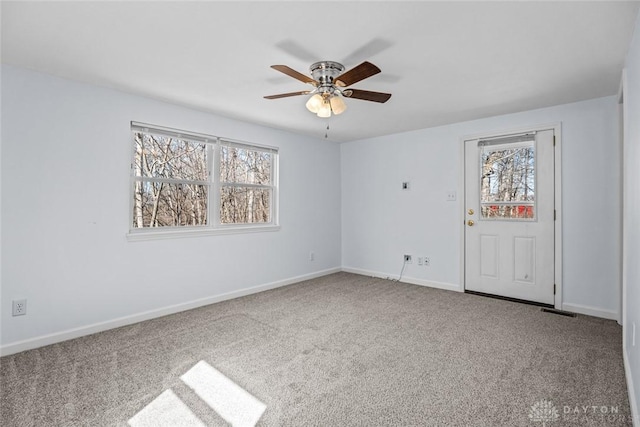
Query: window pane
245	166
166	157
508	175
242	205
508	211
159	204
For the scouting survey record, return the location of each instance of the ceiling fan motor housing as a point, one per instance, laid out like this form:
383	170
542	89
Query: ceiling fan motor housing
325	73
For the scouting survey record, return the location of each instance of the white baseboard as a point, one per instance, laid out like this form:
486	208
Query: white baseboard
411	280
57	337
633	402
591	311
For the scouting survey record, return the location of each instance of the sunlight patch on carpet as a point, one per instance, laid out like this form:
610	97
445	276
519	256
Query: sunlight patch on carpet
229	400
166	410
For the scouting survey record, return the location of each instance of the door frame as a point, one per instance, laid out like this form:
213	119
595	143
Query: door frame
557	201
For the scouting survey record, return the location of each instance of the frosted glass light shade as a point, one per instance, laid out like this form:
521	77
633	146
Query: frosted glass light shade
314	103
337	104
325	110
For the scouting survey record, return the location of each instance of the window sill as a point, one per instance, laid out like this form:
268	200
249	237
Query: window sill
141	235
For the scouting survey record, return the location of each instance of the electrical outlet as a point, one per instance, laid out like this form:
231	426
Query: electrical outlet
451	196
19	307
420	260
407	259
427	261
312	256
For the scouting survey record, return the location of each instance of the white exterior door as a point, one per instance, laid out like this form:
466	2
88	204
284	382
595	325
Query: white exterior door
509	216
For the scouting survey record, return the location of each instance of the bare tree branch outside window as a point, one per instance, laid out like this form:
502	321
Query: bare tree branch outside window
246	179
173	189
508	183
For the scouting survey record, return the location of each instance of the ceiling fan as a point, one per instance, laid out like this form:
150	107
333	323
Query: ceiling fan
330	86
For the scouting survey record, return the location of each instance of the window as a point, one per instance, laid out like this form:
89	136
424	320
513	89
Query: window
245	179
508	179
183	181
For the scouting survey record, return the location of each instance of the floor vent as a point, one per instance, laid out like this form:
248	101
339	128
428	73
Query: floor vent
560	312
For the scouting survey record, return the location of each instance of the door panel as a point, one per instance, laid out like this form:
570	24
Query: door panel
524	251
489	256
509	231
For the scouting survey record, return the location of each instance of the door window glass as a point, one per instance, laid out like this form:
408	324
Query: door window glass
507	181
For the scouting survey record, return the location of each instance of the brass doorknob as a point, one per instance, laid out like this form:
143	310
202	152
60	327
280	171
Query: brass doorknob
470	211
470	223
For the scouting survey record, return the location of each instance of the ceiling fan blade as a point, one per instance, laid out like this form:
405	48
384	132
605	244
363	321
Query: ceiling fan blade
284	95
354	75
293	73
367	95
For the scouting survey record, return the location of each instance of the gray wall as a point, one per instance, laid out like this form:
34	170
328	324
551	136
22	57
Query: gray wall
66	151
632	220
380	222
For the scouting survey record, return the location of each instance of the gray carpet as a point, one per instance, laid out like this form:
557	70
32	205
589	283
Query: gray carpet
341	350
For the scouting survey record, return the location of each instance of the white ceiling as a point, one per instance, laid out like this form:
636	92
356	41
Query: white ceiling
444	62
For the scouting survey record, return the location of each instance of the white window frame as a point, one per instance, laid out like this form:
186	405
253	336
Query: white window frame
214	187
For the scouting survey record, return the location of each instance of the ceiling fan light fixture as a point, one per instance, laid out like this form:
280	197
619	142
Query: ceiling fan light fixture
338	106
325	109
314	103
